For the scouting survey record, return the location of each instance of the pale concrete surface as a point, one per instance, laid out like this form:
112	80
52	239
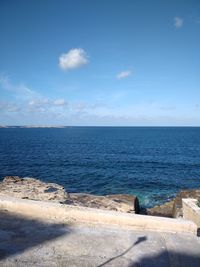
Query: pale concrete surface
191	211
64	213
33	242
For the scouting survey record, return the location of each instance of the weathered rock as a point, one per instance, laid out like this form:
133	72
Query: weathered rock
31	188
165	210
124	203
34	189
130	200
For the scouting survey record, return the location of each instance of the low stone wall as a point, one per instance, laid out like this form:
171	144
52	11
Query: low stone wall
67	213
191	211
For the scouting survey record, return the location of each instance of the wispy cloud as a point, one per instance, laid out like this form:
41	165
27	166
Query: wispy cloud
60	102
80	106
19	89
73	59
27	100
10	107
110	110
37	103
123	74
178	22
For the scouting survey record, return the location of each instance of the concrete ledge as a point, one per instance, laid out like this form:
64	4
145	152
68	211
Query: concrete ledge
66	213
191	211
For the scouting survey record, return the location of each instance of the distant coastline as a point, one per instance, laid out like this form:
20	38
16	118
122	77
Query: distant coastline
33	126
97	126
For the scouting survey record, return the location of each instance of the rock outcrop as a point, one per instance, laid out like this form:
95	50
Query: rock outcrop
30	188
124	203
174	207
165	210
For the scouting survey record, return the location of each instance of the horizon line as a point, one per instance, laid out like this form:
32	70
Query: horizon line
66	126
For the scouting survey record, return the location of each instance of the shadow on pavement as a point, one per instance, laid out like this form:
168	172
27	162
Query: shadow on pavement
164	259
168	259
18	233
139	240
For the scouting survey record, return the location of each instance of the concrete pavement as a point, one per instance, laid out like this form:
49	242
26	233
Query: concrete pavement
25	241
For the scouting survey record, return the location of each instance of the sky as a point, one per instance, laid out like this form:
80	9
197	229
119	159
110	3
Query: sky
100	62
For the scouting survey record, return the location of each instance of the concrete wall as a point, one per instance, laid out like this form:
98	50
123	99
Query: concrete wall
191	211
67	213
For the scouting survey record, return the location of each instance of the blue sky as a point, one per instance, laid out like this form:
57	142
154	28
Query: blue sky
107	62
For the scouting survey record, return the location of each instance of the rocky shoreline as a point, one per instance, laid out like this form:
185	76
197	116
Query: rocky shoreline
30	188
173	208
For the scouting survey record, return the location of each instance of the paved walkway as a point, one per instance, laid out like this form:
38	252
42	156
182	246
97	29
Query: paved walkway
29	242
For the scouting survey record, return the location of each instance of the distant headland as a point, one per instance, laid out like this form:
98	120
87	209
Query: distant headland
33	126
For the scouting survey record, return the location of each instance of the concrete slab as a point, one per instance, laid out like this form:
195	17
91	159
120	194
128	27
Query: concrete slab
25	241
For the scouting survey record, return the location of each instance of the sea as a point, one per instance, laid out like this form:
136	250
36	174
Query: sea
153	163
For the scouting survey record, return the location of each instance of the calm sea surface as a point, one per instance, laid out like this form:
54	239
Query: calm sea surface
150	162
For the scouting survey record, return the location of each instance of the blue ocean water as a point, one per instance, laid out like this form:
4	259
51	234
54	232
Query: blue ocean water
150	162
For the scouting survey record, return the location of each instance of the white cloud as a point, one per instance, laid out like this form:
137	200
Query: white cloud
60	102
38	102
123	74
178	22
73	59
